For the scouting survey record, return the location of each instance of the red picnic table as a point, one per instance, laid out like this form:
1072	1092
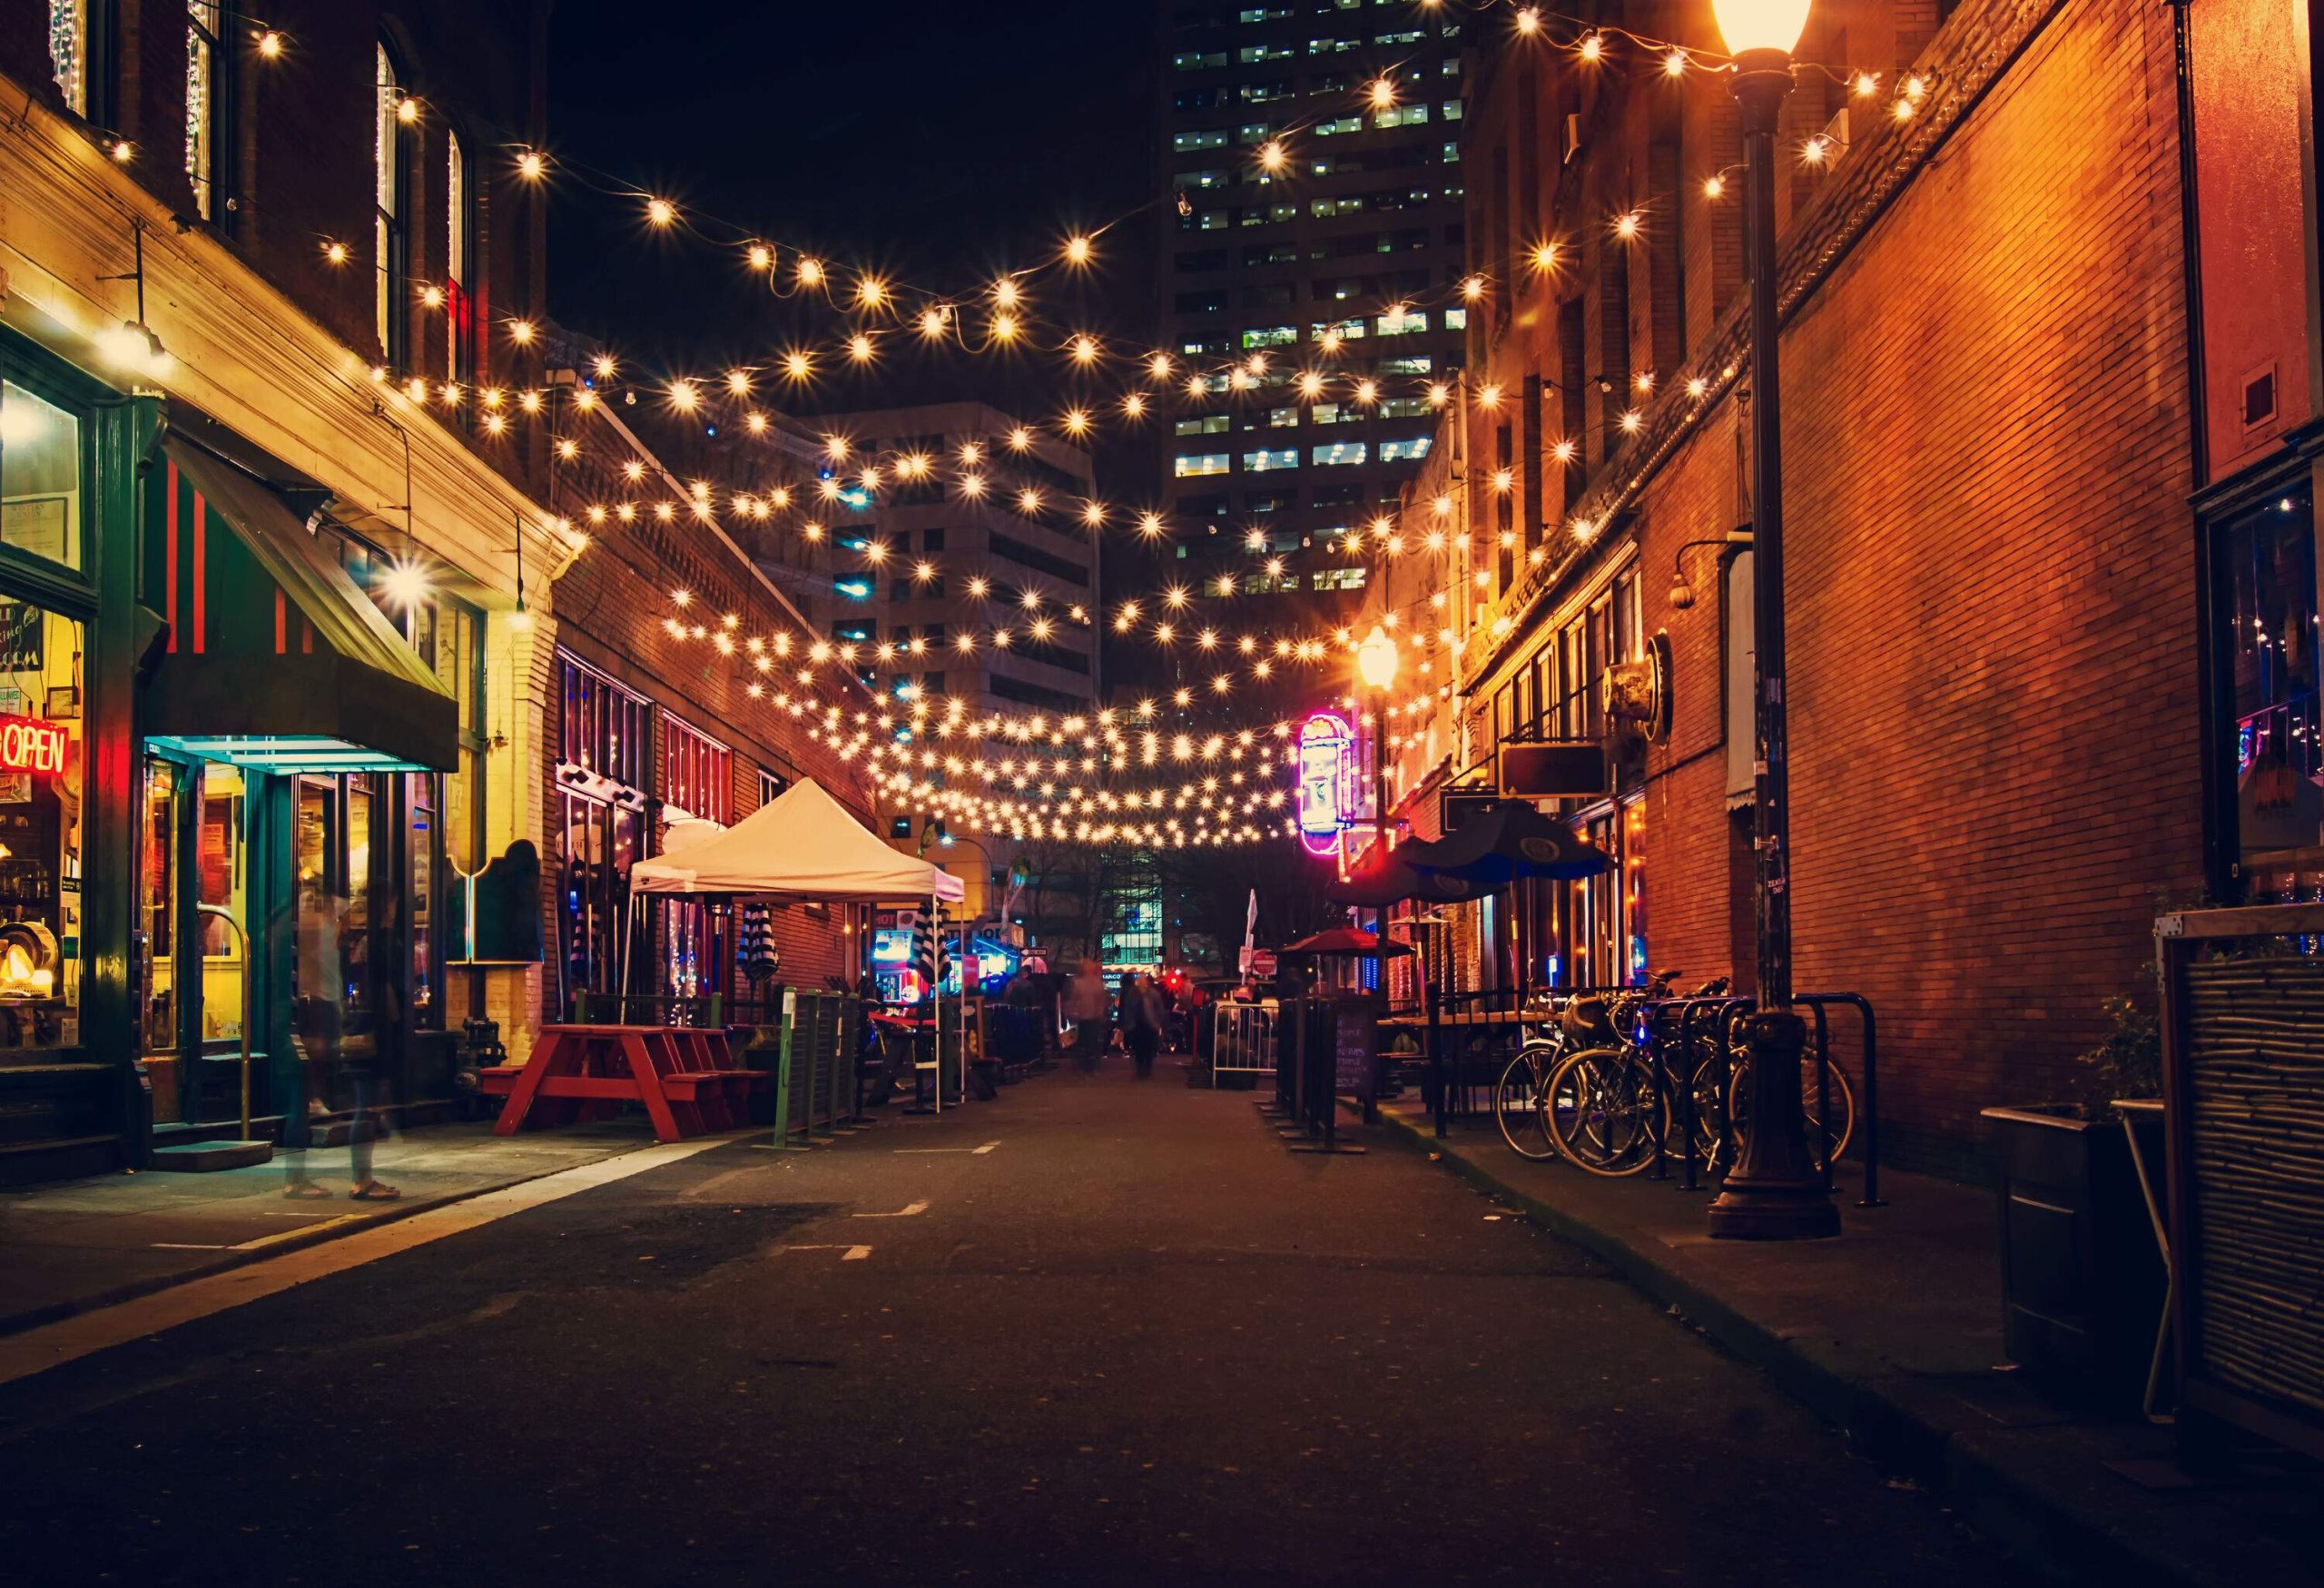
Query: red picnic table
684	1076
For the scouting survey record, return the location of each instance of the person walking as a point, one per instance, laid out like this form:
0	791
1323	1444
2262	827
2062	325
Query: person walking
1143	1015
1085	1006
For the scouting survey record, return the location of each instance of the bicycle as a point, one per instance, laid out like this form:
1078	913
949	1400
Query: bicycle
1521	1097
1607	1107
1721	1121
1603	1109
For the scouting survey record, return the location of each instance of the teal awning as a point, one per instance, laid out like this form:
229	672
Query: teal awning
275	658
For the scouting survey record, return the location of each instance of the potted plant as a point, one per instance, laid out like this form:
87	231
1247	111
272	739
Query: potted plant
2082	1274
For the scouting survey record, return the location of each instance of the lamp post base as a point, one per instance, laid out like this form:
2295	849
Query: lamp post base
1775	1192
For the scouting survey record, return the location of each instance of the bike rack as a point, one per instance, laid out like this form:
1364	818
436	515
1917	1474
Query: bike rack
1868	1100
1705	1025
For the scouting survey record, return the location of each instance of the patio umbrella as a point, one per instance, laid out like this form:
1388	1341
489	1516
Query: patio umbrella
1508	841
1346	942
1390	882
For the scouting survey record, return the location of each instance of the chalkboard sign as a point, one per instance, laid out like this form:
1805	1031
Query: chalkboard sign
22	636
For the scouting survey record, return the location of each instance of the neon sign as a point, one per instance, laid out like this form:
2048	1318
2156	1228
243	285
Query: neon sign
1323	743
30	744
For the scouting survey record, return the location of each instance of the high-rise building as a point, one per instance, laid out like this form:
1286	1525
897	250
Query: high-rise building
911	569
1313	151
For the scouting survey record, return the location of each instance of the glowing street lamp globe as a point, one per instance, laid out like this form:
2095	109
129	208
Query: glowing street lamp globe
1376	659
1760	24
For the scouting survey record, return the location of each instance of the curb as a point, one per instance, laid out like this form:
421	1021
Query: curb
289	1240
1881	1422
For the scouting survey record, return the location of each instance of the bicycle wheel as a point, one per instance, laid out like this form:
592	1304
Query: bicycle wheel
1518	1101
1602	1111
1843	1092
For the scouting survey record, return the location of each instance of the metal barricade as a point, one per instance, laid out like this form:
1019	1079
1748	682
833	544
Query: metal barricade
1241	1039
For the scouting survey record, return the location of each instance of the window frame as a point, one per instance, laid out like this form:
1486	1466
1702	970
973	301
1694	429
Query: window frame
390	196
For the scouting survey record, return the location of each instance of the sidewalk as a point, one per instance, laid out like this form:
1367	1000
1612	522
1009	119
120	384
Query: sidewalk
1892	1333
82	1244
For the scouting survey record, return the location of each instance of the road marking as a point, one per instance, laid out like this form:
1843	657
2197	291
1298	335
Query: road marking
69	1339
912	1211
987	1147
847	1254
260	1243
855	1254
929	1151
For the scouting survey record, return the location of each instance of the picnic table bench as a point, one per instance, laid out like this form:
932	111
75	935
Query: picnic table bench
684	1076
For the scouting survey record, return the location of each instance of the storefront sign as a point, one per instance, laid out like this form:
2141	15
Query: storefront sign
22	638
30	744
1323	804
1555	769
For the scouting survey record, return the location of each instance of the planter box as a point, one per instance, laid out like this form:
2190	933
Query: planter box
2081	1278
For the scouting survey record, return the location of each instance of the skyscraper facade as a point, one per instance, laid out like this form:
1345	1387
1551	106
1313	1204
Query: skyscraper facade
1313	150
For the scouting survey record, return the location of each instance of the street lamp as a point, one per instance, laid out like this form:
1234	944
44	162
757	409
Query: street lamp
1377	661
1774	1192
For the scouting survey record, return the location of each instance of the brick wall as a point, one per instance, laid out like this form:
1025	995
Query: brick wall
610	610
1991	602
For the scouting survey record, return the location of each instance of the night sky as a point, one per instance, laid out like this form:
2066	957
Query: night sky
939	142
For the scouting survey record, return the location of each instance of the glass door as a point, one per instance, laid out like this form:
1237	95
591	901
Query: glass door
161	998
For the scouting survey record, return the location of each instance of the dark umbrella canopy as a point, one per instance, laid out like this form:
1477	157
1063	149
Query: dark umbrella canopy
1497	846
1345	942
1390	880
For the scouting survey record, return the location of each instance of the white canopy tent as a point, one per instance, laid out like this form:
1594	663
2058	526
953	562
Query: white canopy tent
802	847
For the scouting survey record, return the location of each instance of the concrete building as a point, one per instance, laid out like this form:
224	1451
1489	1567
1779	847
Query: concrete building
912	569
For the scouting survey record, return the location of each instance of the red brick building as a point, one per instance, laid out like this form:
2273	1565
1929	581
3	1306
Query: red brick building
2012	662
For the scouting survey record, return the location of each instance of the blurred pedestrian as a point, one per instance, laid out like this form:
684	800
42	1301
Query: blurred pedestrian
319	1021
1085	1006
1143	1016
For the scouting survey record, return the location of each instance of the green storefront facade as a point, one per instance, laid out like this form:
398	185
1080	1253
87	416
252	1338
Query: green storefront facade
249	771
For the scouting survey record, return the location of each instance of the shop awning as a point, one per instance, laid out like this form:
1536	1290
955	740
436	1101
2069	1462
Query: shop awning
275	658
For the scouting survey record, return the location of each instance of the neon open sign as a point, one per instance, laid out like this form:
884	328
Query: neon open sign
29	744
1324	741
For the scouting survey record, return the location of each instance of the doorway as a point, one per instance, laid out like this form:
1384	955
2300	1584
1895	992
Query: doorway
196	924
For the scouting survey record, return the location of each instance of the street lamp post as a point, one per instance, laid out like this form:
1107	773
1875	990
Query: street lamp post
1774	1192
1377	661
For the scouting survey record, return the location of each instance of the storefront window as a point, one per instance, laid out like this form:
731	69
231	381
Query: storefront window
421	841
2269	590
41	781
599	844
698	773
225	872
157	921
40	478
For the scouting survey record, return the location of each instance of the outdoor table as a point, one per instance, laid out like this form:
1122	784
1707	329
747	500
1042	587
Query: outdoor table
683	1075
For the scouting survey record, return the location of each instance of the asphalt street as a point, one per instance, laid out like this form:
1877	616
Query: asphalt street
1098	1332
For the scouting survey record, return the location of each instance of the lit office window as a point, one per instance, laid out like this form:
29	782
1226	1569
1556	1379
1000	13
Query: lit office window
1265	458
201	104
1192	465
391	311
1270	336
68	50
1337	453
1411	451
